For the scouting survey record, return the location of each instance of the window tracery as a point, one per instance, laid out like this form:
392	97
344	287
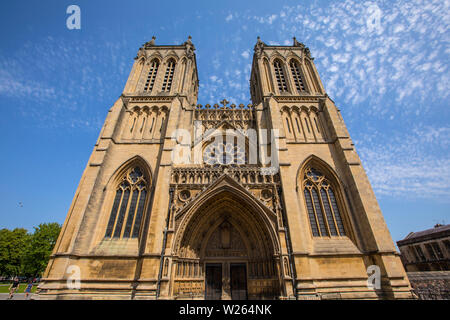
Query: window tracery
128	205
227	153
321	203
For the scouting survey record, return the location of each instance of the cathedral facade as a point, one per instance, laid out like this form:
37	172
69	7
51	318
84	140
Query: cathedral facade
260	201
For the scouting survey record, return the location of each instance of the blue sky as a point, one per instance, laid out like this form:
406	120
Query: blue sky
390	80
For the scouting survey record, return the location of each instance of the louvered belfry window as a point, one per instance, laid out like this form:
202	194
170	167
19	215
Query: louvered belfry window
168	77
298	81
323	210
279	74
128	206
151	75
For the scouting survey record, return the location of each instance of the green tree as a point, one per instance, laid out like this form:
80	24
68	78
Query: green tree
39	248
13	245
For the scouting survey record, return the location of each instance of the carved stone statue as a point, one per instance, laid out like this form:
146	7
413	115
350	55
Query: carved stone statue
308	53
150	43
189	48
225	235
259	47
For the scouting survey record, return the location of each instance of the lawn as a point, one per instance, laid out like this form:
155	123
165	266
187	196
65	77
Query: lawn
4	288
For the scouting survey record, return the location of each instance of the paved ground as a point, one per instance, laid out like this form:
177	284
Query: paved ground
17	296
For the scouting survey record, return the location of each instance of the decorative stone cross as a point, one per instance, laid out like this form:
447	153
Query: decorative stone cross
224	102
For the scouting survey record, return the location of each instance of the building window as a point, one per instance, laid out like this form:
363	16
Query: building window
323	210
414	253
128	206
168	77
296	74
420	253
151	75
437	249
447	246
430	251
279	74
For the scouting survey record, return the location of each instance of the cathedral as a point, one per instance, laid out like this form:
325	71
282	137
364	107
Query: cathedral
186	201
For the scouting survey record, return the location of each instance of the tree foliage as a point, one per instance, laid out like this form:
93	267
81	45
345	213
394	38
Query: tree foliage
27	254
13	244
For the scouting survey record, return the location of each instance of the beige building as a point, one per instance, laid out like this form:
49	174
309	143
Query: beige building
168	214
426	257
427	250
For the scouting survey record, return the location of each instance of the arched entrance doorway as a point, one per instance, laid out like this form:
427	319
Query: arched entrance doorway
225	247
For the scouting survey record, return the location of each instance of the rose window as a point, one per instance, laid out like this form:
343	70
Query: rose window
223	153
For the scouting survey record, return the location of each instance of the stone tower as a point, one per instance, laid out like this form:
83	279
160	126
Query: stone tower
180	200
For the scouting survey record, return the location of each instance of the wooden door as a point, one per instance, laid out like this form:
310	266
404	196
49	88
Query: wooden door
213	283
238	281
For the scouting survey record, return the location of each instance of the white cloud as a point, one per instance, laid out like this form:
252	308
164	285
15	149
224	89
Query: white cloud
245	54
399	28
58	86
13	86
271	18
408	164
396	72
386	62
334	68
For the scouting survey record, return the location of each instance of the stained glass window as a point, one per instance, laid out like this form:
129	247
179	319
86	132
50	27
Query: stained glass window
323	210
128	206
311	214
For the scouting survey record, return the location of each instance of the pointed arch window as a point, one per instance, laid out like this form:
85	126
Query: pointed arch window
168	77
128	206
298	80
279	74
151	75
323	210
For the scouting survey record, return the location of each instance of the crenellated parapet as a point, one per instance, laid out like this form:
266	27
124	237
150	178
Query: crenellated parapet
238	116
224	107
